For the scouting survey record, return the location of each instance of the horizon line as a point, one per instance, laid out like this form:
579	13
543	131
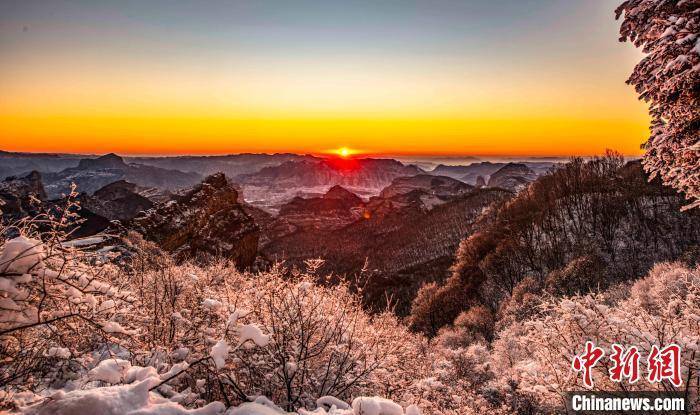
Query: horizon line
322	154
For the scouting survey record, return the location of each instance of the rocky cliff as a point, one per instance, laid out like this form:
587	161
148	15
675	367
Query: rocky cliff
21	196
120	200
336	208
204	221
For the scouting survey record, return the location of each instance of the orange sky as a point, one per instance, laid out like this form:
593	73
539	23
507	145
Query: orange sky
444	85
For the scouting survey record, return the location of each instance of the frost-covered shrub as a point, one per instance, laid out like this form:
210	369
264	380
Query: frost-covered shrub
472	326
57	304
425	315
581	275
287	339
660	309
522	304
199	339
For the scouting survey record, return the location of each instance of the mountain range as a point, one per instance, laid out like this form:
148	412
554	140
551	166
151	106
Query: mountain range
394	242
391	224
387	227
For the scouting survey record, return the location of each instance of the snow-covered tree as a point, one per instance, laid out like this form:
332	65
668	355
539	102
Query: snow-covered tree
668	31
658	310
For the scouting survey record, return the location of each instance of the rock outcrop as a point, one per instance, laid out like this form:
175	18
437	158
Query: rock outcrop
108	161
120	200
336	208
512	176
202	222
440	186
22	196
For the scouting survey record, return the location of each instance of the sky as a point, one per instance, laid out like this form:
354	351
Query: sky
470	77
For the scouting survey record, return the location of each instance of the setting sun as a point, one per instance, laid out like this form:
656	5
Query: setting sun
344	152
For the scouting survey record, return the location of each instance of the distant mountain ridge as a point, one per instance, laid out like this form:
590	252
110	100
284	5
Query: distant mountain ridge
232	165
512	176
258	173
272	187
470	173
351	172
92	174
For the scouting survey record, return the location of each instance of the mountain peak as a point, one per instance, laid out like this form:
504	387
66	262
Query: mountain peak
512	176
108	161
339	192
218	180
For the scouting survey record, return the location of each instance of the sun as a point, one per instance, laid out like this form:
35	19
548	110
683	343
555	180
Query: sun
343	152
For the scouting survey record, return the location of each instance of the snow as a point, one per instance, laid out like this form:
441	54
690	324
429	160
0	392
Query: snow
174	370
111	371
114	327
180	353
253	332
234	316
265	401
132	399
252	408
329	402
81	242
107	305
10	286
20	255
138	373
375	406
219	353
59	352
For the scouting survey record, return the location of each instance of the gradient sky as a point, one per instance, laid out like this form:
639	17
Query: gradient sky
491	77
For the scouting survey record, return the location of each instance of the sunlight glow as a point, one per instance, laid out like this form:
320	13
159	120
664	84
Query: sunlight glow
344	152
335	79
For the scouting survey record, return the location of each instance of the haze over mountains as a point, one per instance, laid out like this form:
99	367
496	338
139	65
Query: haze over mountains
268	179
388	226
396	221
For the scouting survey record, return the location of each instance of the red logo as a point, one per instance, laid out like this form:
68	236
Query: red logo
665	364
625	364
662	364
586	361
